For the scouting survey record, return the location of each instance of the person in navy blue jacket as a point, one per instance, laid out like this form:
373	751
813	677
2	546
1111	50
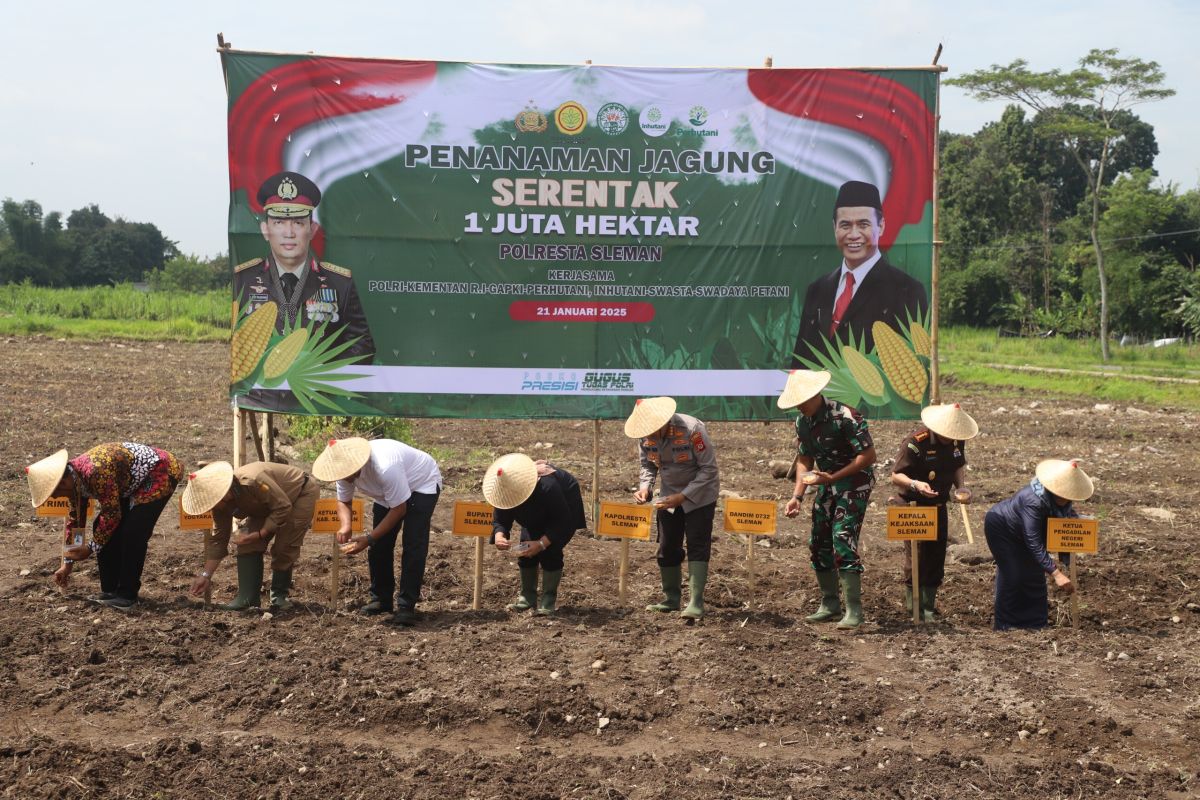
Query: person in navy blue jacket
1016	534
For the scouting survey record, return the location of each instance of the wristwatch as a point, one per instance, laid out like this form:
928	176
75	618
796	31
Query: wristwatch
205	574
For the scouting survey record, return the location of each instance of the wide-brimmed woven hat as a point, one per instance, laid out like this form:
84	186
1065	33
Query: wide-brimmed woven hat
950	422
649	414
1065	479
802	384
206	487
45	475
341	458
510	480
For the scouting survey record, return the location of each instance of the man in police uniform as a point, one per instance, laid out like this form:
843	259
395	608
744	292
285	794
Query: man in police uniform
931	465
865	289
675	449
308	292
836	453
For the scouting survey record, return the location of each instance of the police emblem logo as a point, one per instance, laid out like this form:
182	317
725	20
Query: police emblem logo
531	120
570	118
612	118
287	189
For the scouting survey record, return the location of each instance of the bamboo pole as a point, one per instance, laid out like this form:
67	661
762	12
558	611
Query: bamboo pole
238	437
967	523
749	568
335	573
935	389
269	438
595	472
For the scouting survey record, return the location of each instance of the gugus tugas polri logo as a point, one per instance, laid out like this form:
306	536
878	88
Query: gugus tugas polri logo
612	118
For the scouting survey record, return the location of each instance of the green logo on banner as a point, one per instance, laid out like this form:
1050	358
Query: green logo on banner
698	115
612	118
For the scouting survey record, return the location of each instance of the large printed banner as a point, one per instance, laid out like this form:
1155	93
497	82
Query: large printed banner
472	240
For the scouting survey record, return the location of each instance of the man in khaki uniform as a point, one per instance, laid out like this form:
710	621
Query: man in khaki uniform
675	450
278	500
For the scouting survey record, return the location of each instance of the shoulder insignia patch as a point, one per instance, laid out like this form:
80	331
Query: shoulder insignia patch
912	446
254	262
335	269
922	436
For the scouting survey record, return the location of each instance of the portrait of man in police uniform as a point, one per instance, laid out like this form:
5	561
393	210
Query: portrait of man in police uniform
308	292
864	289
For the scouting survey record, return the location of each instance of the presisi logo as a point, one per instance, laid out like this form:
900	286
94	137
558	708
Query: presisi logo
611	381
552	382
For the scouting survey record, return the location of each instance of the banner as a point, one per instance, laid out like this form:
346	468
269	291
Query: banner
480	240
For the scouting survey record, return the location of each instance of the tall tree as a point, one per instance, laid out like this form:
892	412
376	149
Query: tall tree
1082	109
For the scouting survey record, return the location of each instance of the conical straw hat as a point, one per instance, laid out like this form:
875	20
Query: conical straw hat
510	480
649	414
802	385
950	422
45	475
343	457
1065	479
206	487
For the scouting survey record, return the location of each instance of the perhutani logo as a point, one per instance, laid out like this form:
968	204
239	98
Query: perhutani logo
612	118
570	118
653	120
552	382
610	381
531	120
697	115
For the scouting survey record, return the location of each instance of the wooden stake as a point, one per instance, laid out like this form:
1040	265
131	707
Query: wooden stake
595	472
916	582
1074	594
967	523
477	583
335	574
623	574
935	382
749	567
270	437
237	437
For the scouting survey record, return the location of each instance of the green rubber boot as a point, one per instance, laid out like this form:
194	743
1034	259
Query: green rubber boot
527	599
831	606
908	598
672	586
697	577
549	592
281	584
250	575
929	603
852	588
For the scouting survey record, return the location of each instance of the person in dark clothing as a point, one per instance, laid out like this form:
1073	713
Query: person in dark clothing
548	504
1016	534
932	466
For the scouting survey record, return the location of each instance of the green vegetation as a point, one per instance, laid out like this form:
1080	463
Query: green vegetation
311	434
114	312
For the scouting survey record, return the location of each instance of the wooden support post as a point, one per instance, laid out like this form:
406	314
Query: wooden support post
1074	594
270	437
595	473
916	582
623	572
254	434
335	574
477	583
238	437
749	567
967	523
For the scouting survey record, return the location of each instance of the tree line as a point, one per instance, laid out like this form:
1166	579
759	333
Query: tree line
89	248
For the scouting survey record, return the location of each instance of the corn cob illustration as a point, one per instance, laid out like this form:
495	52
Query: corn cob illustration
901	366
869	381
283	355
920	339
250	341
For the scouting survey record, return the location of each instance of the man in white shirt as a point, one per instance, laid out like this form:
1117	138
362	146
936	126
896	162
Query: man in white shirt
405	483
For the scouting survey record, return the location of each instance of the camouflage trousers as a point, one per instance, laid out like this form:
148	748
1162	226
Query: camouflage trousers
837	517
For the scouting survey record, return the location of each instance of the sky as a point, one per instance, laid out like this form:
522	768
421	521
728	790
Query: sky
123	103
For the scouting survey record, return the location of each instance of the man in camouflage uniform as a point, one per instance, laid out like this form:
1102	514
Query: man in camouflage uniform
836	453
675	450
307	291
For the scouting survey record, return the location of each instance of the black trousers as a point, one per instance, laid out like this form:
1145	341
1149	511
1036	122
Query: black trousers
121	560
694	527
413	554
931	555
